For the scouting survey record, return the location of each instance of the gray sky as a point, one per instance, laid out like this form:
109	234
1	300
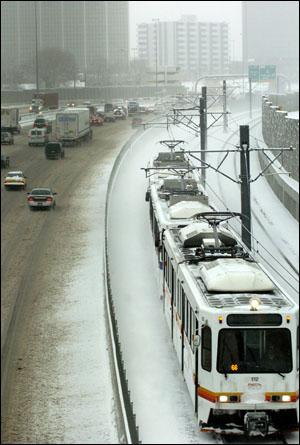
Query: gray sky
207	11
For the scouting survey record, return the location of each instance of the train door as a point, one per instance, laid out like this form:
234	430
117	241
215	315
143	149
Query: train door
205	374
177	321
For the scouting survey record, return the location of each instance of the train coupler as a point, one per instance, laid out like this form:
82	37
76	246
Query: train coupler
256	423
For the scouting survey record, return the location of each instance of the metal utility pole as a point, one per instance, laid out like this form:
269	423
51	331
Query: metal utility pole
36	51
225	116
245	185
203	130
202	137
250	97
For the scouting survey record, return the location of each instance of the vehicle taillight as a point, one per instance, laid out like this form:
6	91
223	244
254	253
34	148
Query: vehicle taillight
49	198
30	198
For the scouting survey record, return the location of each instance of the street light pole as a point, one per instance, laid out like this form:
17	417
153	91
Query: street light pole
36	51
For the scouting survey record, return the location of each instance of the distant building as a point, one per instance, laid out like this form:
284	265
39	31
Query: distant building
198	48
93	31
271	35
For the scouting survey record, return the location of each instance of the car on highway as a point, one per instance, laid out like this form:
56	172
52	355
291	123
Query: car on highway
41	198
96	120
15	179
119	113
109	116
54	150
4	161
41	122
7	138
38	136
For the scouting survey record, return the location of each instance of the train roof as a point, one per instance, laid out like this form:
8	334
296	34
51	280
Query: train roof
223	275
176	200
169	159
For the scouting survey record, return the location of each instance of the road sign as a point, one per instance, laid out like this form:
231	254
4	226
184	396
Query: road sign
258	73
267	72
253	73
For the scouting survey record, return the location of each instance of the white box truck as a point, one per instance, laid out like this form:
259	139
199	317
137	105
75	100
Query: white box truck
73	125
10	119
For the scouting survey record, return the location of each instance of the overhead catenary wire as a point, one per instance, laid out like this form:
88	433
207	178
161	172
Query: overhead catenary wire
258	243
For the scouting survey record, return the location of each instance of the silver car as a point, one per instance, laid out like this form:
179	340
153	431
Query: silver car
41	198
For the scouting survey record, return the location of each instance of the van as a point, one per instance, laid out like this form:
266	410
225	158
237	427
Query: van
41	122
54	150
38	136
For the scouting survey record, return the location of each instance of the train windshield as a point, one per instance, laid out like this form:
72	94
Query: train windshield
254	351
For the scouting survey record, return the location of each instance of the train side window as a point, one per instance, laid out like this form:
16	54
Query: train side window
191	330
297	348
173	282
165	260
206	348
167	271
186	317
183	298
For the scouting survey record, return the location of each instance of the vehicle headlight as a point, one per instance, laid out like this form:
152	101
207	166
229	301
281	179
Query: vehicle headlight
223	398
286	398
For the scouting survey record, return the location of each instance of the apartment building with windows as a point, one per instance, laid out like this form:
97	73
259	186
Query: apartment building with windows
198	48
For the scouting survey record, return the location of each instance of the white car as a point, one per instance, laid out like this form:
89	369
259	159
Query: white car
15	179
41	198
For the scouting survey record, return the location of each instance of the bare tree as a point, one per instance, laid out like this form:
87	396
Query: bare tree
56	66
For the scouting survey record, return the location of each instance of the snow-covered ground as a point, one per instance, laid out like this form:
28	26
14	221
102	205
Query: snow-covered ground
161	401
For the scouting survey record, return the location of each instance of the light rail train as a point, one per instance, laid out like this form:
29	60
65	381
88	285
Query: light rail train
233	328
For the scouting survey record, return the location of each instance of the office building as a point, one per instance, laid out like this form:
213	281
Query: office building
93	31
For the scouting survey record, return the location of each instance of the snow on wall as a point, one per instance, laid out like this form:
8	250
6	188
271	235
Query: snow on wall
279	130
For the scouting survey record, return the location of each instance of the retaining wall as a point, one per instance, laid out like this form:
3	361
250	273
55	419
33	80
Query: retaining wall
281	131
94	93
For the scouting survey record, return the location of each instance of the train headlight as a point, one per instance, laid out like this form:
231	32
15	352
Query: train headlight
254	303
281	397
223	398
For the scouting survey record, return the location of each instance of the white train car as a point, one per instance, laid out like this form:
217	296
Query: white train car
234	331
174	192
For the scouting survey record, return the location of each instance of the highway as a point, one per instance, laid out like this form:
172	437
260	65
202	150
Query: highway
57	385
54	338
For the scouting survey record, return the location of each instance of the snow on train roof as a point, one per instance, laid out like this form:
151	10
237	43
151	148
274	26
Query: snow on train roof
234	275
199	230
187	209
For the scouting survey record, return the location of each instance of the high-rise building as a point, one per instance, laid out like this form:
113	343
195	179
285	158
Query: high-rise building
271	35
93	31
198	48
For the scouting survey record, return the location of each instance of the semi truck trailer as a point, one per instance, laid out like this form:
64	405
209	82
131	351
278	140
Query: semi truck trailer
73	125
10	119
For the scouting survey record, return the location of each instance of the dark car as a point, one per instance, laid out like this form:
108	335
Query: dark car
54	150
4	161
41	198
41	122
7	138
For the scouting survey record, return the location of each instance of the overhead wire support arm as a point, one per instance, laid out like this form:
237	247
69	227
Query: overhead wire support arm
270	163
215	169
176	171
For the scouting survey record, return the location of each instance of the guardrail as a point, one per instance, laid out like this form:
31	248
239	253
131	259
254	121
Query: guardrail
131	428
